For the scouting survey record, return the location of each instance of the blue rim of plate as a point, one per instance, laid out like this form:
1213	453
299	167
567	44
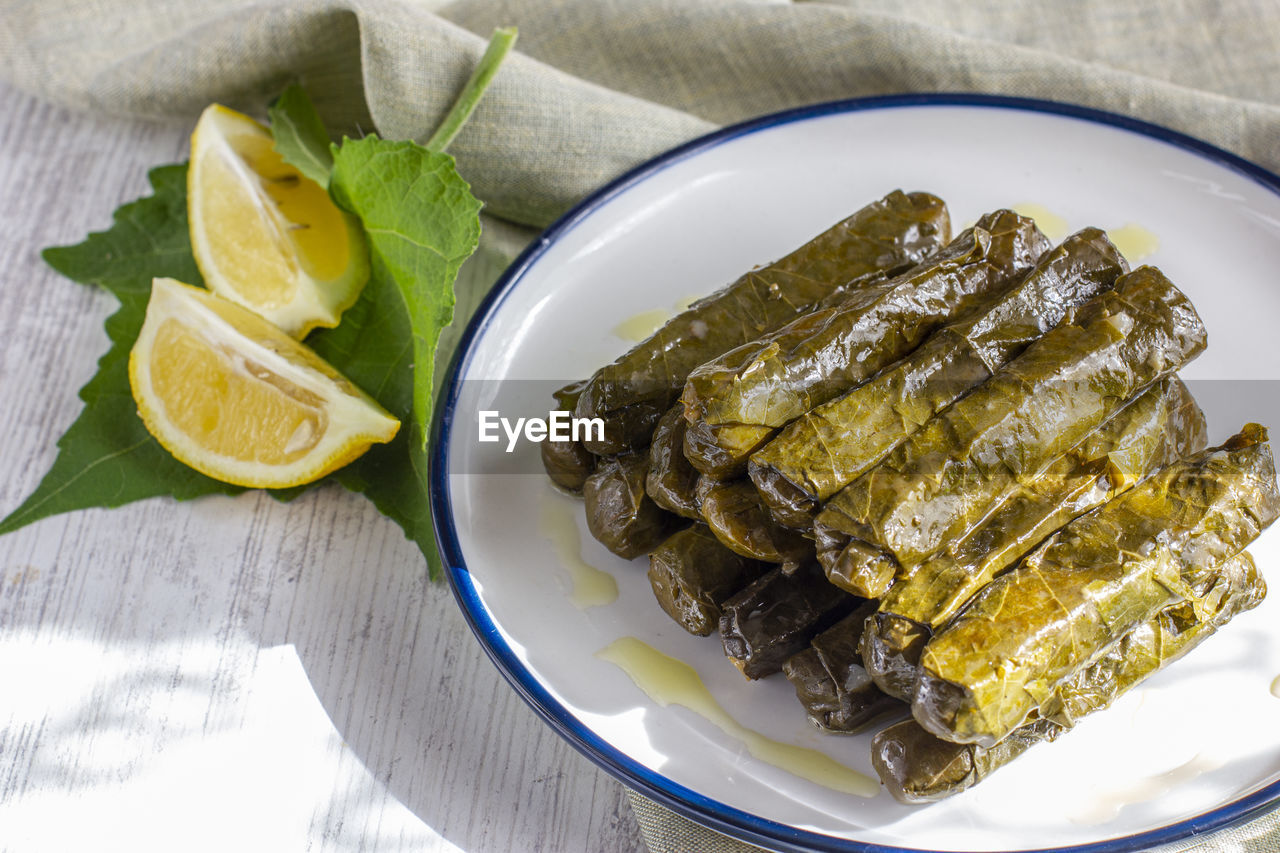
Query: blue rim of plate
679	799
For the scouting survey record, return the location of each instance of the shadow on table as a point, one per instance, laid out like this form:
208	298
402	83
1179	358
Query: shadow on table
414	697
152	638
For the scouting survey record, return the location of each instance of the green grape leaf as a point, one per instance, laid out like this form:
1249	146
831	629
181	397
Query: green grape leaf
300	135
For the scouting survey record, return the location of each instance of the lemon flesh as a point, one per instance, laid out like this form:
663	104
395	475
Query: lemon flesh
235	398
263	234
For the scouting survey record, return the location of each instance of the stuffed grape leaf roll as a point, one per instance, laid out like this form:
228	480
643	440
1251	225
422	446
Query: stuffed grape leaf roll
619	513
918	767
1162	542
776	615
820	453
1160	427
1237	587
738	401
736	514
567	463
692	574
837	693
631	394
945	479
672	482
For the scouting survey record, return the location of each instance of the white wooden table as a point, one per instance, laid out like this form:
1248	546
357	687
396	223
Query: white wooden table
228	674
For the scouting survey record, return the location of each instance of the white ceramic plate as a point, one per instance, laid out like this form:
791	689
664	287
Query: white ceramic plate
1195	748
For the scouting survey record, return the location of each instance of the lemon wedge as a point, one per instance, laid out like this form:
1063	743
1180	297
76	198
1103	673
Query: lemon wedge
263	234
235	398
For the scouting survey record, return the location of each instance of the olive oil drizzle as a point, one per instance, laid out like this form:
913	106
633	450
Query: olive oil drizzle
1053	225
1111	801
1134	241
669	681
642	325
592	587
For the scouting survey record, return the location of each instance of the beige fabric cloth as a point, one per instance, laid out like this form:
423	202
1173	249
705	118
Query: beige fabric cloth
601	85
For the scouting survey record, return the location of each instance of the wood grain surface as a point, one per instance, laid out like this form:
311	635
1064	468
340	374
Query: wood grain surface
228	674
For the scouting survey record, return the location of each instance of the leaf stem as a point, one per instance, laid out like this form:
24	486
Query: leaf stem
499	45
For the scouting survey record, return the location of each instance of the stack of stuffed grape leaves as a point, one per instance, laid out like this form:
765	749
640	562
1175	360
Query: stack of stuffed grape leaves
953	482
